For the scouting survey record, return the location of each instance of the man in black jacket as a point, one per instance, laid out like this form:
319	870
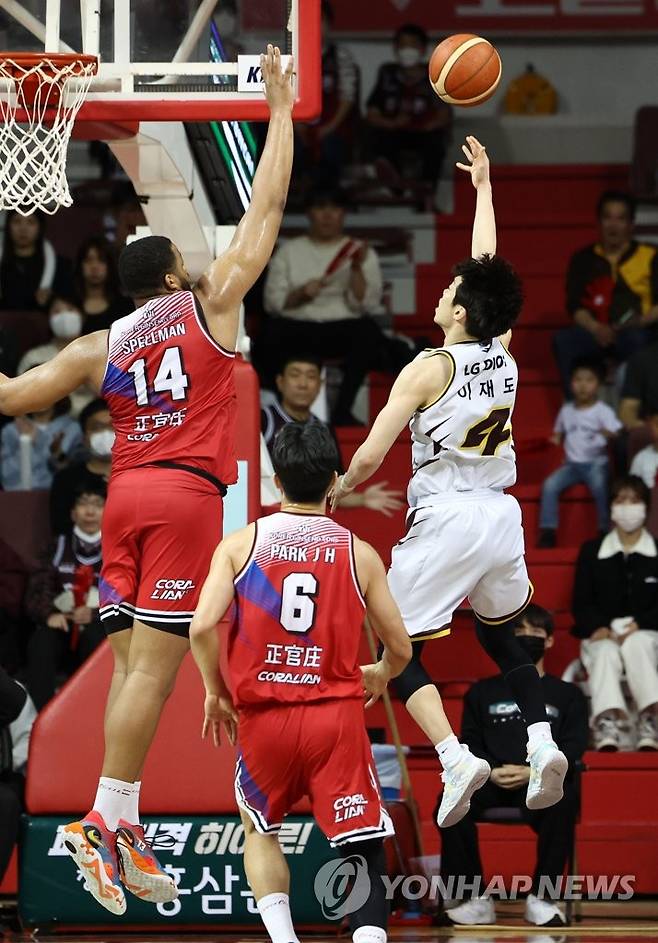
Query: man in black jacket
493	728
612	291
615	607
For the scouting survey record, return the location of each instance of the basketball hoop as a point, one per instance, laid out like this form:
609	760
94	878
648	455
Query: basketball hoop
40	96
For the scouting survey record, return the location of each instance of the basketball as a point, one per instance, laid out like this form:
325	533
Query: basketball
465	70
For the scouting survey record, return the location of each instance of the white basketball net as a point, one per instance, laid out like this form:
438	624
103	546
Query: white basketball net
33	152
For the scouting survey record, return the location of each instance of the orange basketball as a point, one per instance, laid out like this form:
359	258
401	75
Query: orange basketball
465	70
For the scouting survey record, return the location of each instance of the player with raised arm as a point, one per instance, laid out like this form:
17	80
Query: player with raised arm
166	372
301	586
464	535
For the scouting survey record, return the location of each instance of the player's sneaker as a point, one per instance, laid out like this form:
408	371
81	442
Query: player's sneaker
459	784
548	767
543	913
474	912
142	873
93	848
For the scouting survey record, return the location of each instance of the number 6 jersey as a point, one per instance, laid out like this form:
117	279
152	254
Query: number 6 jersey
463	441
298	615
170	390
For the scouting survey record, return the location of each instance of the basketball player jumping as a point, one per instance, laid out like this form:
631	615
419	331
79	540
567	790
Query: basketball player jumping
301	585
167	374
464	535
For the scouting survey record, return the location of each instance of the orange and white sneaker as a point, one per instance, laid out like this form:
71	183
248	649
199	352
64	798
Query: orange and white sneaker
141	872
93	847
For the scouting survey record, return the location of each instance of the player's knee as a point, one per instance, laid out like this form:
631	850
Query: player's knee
501	644
414	677
158	680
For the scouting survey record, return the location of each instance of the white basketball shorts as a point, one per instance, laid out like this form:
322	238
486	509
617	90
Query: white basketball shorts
464	545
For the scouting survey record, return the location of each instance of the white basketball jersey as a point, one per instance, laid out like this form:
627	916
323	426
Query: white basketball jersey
463	441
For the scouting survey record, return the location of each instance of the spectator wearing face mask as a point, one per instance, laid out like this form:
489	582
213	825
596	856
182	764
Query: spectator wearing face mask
33	448
615	607
30	270
65	324
92	473
493	728
408	123
62	599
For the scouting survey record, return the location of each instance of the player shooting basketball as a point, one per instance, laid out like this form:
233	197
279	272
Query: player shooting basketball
464	535
167	374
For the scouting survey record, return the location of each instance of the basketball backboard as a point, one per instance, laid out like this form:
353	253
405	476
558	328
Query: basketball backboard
174	60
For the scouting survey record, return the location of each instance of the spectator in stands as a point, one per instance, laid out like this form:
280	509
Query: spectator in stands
615	607
493	728
324	148
96	283
299	383
30	271
92	473
17	715
34	447
612	290
320	289
409	125
645	462
639	397
584	426
65	324
62	600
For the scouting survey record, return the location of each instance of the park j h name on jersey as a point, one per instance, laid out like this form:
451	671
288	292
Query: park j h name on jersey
463	441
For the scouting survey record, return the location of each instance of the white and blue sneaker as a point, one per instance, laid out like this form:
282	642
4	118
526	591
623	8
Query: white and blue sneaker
548	767
459	784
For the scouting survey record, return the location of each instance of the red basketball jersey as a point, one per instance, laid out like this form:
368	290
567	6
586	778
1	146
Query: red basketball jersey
298	615
170	389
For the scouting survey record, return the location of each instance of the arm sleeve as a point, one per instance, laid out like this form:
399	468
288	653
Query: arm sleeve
610	420
472	733
586	609
374	285
574	729
647	617
559	422
277	283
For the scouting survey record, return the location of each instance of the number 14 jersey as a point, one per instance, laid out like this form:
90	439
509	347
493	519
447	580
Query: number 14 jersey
170	389
298	615
463	441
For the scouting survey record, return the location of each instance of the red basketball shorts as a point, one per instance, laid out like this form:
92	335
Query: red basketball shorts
320	750
160	529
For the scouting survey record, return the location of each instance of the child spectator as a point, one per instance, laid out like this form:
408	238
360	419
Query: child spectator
34	447
645	462
63	600
584	425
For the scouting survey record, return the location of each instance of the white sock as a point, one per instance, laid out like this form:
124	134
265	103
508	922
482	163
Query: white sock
537	733
369	935
113	800
450	751
132	815
274	910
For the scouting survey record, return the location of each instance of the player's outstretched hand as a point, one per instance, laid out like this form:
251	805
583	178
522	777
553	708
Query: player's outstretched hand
218	711
279	90
478	162
375	680
339	490
379	498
